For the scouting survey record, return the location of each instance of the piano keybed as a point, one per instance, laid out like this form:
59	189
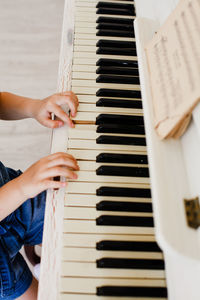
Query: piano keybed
108	245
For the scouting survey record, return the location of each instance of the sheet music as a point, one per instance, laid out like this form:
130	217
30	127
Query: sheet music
174	64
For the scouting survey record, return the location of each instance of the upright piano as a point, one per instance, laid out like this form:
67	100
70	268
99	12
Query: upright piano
102	239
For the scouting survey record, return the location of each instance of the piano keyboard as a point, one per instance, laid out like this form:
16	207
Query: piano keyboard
109	249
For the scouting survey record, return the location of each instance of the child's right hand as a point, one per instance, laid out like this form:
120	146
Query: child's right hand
39	176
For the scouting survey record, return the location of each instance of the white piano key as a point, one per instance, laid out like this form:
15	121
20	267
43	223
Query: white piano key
90	176
94	3
84	226
90	55
91	154
81	29
92	59
84	90
90	188
86	9
84	107
88	285
85	23
84	68
90	117
90	269
86	254
91	135
87	36
92	200
93	83
76	296
94	99
84	75
91	144
92	17
89	240
92	165
90	213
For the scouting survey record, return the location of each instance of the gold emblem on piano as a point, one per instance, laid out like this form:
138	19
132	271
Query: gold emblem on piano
192	209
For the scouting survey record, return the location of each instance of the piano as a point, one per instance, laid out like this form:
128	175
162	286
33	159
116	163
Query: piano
102	239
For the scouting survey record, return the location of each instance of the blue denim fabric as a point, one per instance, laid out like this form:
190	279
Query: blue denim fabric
23	226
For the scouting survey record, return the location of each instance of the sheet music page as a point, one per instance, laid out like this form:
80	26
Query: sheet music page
174	64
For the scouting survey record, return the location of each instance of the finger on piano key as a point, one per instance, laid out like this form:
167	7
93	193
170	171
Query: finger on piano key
85	200
89	269
90	213
91	144
91	240
84	254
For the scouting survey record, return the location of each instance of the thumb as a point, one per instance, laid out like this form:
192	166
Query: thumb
52	123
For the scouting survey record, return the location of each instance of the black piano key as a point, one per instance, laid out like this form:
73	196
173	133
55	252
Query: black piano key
119	119
131	291
128	263
117	44
123	192
117	71
118	93
123	171
114	20
117	63
115	11
118	128
106	102
115	5
107	205
118	79
116	51
116	26
122	158
118	33
119	140
106	220
107	245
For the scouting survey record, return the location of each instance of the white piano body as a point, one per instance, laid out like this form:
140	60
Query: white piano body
174	169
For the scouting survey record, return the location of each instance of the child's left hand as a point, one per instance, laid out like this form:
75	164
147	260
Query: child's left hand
44	108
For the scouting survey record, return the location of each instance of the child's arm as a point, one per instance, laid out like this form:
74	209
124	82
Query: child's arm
13	107
36	179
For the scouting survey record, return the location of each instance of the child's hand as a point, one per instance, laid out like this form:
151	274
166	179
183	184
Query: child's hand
39	176
44	108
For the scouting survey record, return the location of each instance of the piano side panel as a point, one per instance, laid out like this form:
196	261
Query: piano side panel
170	183
53	224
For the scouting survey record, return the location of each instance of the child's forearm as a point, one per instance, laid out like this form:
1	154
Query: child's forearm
11	197
13	107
